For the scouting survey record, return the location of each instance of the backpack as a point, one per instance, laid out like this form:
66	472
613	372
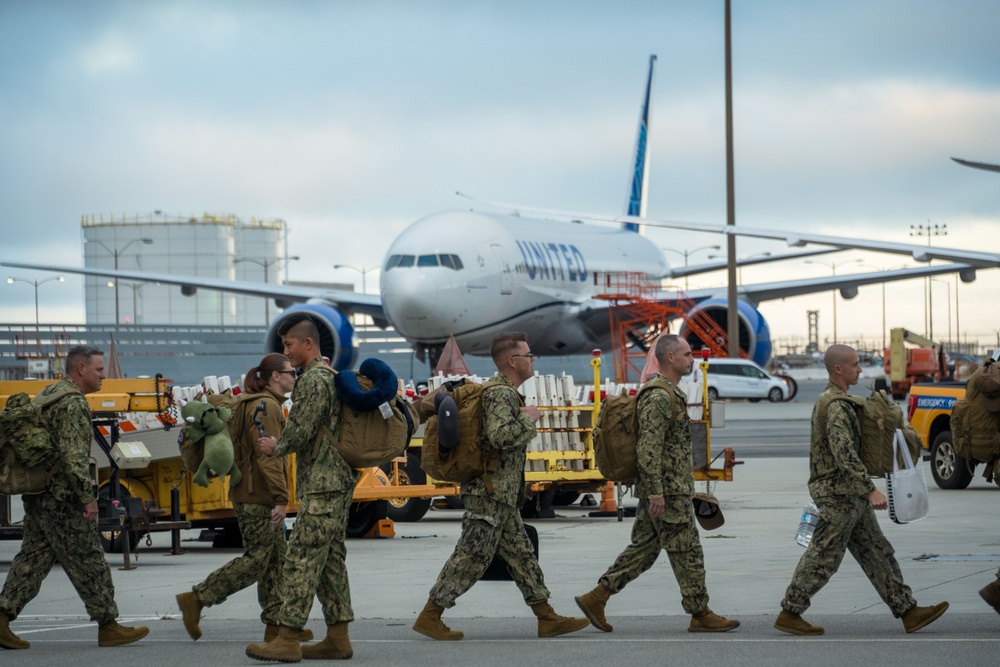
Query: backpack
28	455
617	432
193	451
375	424
467	460
974	429
879	417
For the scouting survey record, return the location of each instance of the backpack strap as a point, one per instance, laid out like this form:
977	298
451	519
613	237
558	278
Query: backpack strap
44	400
821	407
246	453
489	384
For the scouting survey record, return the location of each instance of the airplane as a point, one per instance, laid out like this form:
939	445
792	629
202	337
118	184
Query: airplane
472	274
977	165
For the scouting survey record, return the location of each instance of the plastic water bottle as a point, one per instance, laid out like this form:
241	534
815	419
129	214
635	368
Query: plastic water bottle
810	517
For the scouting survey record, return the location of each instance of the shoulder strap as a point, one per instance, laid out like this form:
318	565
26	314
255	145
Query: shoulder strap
824	403
44	400
323	430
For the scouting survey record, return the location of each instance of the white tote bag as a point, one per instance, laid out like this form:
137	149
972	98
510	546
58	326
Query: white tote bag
906	487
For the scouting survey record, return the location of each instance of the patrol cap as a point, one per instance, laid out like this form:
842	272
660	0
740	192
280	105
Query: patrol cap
989	387
447	426
707	511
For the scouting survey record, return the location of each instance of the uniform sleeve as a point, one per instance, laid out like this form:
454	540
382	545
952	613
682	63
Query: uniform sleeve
311	403
504	425
70	420
272	468
841	433
654	420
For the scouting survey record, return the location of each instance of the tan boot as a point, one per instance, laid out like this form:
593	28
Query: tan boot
551	624
592	605
921	617
336	645
283	648
190	607
794	624
991	595
112	634
7	637
271	631
709	621
429	624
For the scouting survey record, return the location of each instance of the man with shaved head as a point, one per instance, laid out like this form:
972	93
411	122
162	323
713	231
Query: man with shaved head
847	499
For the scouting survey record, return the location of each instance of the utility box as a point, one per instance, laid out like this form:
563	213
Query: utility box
130	455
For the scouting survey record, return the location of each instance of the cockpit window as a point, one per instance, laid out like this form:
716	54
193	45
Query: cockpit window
456	263
408	261
405	261
427	260
392	263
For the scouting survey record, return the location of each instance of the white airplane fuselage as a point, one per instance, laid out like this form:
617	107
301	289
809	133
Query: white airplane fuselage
535	276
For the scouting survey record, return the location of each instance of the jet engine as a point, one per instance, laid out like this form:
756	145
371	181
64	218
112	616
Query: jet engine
336	335
755	335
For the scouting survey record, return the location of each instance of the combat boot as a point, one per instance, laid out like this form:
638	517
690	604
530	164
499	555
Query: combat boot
551	624
592	605
190	607
921	617
7	637
991	595
112	634
271	631
429	624
283	648
336	645
794	624
709	621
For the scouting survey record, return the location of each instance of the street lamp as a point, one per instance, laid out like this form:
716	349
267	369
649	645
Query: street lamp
833	268
135	287
265	264
363	271
685	253
928	231
11	280
880	269
116	254
947	292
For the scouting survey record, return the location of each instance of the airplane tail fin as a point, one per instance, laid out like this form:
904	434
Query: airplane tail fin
636	204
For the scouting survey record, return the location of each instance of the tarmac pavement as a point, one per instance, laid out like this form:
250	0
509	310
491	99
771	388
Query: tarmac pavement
949	556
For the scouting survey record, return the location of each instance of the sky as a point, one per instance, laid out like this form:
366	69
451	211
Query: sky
351	120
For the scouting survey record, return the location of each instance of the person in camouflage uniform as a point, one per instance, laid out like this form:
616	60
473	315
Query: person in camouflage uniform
847	499
315	564
59	523
492	522
260	500
664	518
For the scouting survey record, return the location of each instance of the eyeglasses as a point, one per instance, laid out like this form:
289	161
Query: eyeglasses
529	356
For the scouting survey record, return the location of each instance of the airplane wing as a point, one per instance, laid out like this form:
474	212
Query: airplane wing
708	267
977	165
847	283
920	253
349	302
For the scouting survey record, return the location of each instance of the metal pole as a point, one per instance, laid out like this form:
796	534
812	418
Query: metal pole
117	280
36	305
834	269
958	329
267	303
732	321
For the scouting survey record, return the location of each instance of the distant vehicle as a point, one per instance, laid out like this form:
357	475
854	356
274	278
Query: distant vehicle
741	378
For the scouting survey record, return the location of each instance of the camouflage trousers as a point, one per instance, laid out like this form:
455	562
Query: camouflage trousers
674	532
56	532
261	563
848	523
315	563
490	528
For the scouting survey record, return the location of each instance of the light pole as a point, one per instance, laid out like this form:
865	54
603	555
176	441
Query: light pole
947	292
116	254
740	261
833	269
11	280
135	287
685	253
363	271
880	269
265	264
928	231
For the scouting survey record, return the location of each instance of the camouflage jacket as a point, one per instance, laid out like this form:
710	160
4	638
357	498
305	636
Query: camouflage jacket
663	451
265	478
70	427
315	403
835	467
507	429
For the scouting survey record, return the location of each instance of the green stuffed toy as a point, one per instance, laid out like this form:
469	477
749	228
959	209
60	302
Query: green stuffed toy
202	420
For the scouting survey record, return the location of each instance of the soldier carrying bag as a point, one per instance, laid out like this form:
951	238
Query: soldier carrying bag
28	453
617	432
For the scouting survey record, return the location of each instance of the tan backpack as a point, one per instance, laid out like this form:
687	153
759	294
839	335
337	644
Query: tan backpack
617	432
974	429
467	460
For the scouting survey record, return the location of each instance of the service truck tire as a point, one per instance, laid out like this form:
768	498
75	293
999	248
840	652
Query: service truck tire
947	467
410	474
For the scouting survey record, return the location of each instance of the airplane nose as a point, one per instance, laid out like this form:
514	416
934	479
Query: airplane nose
409	297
